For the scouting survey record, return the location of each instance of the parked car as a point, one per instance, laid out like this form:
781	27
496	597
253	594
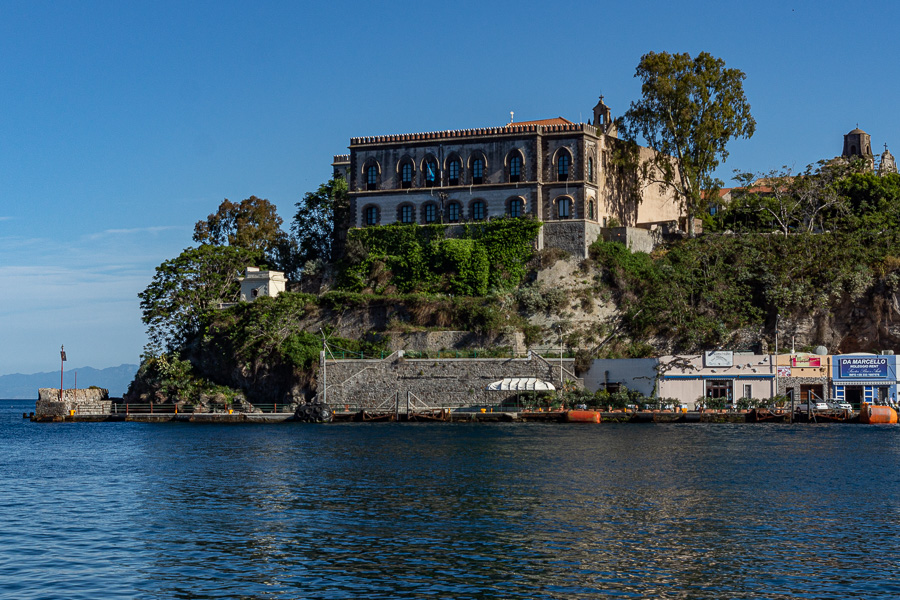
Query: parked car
839	405
816	405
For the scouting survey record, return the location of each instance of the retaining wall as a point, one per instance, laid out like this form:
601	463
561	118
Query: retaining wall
435	383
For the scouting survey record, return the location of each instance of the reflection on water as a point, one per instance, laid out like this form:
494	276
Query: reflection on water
448	511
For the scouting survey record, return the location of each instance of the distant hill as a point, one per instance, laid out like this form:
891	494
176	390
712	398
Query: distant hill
115	379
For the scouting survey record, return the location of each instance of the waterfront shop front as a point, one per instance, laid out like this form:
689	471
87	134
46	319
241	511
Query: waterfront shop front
870	378
802	377
719	378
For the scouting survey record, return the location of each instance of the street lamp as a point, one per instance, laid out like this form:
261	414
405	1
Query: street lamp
443	197
559	329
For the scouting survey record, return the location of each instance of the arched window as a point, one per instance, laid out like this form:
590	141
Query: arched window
478	171
478	210
430	213
562	167
453	210
371	177
515	207
590	168
371	215
406	174
453	172
564	208
515	169
591	210
431	171
406	213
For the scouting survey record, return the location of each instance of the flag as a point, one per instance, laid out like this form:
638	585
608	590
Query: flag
62	353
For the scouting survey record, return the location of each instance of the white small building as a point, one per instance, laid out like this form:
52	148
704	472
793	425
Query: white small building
256	283
613	374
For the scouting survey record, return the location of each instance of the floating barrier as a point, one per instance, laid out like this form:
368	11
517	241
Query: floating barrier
582	416
870	414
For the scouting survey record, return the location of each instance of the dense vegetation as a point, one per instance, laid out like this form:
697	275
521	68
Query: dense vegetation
489	255
839	244
697	293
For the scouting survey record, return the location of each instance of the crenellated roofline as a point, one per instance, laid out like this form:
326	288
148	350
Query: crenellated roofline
511	129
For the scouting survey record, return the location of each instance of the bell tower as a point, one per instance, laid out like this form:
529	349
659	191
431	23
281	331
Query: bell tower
857	144
603	119
888	164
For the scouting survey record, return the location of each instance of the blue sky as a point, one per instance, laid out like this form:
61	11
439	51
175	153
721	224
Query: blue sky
123	123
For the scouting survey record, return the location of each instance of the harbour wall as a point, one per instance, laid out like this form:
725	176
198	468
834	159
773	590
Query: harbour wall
52	403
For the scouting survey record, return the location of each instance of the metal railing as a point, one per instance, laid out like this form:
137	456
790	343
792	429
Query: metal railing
172	409
547	353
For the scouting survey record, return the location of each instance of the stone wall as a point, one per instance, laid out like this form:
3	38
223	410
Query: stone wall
794	383
635	239
92	401
575	237
434	383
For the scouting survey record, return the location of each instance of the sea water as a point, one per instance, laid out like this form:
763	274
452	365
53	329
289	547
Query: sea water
128	510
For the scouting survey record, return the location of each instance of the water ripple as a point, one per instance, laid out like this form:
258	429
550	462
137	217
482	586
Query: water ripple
439	511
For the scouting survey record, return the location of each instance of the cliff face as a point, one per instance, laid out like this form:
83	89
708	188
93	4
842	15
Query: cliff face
869	324
593	314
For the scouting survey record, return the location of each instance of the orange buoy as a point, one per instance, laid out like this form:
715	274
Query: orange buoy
582	416
877	414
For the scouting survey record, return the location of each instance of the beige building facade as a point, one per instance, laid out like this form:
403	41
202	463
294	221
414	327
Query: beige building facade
562	173
716	375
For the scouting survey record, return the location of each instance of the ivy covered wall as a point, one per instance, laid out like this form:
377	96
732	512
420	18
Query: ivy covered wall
467	260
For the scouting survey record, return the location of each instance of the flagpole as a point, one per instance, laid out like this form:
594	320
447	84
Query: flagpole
62	360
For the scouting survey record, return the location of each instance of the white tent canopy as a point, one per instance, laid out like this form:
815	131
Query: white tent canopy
520	384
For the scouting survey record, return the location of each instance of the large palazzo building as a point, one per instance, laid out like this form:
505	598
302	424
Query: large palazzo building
559	172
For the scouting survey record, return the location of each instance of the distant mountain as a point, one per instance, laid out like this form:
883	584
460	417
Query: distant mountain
115	379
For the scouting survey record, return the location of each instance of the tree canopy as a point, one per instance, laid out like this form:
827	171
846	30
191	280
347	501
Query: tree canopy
826	196
185	287
689	110
252	224
314	222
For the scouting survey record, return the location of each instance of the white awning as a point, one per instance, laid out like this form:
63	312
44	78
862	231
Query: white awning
520	384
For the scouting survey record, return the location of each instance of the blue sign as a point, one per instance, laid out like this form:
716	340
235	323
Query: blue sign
863	367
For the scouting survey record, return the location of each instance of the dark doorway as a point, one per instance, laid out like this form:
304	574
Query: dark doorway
853	395
811	392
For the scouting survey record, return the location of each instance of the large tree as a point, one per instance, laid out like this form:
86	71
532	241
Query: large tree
186	287
252	224
314	223
690	108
